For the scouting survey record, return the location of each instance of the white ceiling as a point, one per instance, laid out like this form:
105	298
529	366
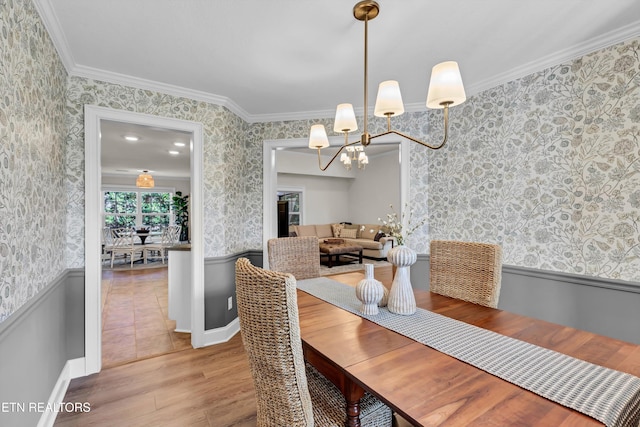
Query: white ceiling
293	59
151	152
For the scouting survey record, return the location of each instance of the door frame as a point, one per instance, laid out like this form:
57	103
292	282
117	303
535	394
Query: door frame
270	178
93	115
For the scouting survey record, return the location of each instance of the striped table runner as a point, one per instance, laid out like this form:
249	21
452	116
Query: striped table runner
609	396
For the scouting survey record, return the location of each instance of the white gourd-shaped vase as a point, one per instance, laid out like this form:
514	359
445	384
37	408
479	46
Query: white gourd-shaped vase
401	297
369	291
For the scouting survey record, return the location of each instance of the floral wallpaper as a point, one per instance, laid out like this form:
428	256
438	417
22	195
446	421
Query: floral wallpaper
548	166
32	197
225	162
545	165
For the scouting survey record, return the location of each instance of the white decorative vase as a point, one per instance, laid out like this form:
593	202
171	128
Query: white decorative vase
401	297
369	291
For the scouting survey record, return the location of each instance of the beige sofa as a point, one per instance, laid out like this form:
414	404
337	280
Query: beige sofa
363	235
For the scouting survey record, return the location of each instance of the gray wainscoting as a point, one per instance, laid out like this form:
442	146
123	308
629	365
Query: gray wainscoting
35	343
219	285
604	306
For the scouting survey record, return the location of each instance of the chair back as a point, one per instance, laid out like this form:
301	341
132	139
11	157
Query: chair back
107	240
468	271
268	312
171	235
122	237
299	256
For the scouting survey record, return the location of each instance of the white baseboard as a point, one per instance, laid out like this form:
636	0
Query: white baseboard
72	369
224	334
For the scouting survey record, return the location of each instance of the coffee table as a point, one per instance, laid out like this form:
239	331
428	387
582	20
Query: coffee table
337	249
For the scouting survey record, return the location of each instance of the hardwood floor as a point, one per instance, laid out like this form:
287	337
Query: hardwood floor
210	386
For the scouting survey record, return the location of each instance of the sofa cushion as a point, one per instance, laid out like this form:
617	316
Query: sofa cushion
369	231
336	228
348	233
324	230
307	230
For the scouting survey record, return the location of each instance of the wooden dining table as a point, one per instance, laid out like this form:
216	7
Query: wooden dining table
429	388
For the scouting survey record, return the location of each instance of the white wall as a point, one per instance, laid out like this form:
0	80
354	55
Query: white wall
296	162
326	199
375	188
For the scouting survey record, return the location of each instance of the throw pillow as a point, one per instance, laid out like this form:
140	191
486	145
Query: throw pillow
348	233
378	236
337	228
293	234
369	231
352	226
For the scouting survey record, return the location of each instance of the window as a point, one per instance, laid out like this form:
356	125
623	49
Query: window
120	209
156	210
137	209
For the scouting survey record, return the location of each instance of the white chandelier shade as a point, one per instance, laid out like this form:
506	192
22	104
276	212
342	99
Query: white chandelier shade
389	99
445	86
318	137
345	120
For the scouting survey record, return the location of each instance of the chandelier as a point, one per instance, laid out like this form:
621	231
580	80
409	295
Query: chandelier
355	153
445	90
145	180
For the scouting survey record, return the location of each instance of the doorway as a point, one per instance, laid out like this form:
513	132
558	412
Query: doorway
290	208
94	116
270	177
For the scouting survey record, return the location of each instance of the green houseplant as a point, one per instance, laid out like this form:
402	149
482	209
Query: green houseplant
181	211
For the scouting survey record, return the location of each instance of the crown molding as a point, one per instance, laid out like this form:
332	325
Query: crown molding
126	80
606	40
52	25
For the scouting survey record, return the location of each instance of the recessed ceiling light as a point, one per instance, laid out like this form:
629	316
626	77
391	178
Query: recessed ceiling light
179	144
173	152
131	138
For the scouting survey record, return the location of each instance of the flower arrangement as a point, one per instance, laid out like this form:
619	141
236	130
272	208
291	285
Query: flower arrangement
394	225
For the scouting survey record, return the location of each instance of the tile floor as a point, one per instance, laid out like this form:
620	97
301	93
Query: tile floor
134	317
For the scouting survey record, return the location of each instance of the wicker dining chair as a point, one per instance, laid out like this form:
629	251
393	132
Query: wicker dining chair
288	391
468	271
299	256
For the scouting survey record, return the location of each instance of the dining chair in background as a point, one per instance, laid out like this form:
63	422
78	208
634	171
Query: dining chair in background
289	392
469	271
299	256
170	237
107	244
123	240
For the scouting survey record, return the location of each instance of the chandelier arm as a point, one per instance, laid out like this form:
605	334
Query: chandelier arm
433	147
334	156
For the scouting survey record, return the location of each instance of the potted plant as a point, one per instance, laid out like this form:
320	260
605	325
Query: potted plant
181	211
